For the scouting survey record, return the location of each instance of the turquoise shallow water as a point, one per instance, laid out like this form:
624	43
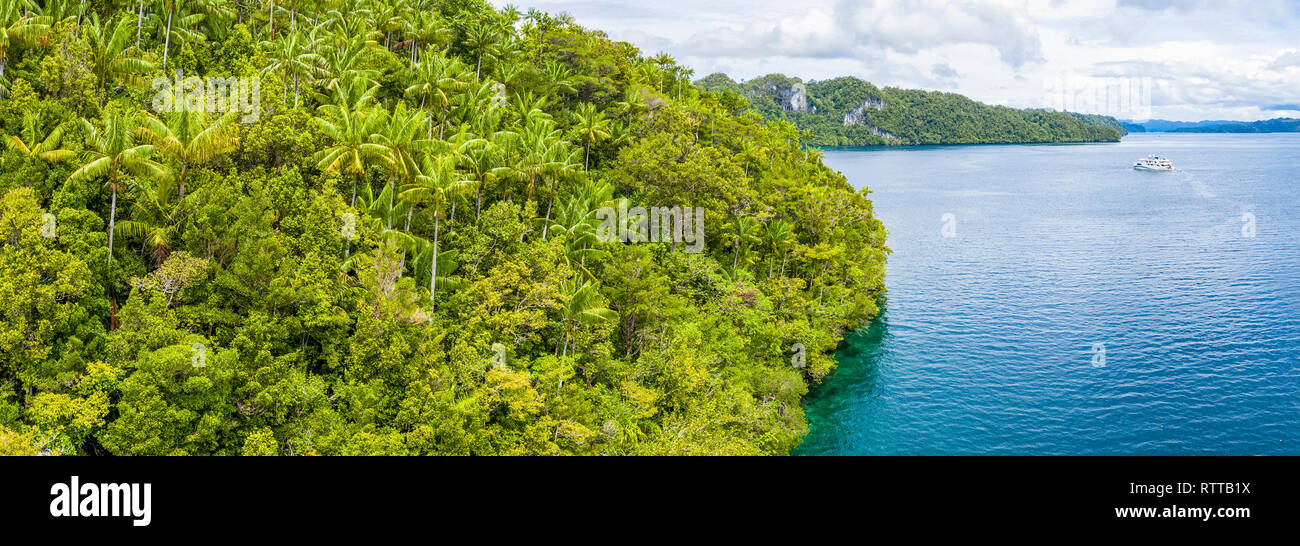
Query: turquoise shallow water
990	340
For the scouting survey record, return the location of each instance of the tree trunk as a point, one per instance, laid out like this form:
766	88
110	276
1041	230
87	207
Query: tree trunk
547	225
354	191
433	270
112	223
389	217
139	23
168	42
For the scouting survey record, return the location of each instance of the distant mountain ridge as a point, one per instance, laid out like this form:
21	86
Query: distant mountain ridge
848	111
1277	125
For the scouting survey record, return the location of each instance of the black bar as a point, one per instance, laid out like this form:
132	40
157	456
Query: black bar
311	496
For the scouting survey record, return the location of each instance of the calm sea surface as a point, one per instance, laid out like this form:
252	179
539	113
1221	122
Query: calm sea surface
1079	307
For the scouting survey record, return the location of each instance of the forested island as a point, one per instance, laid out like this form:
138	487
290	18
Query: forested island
1276	125
850	112
383	227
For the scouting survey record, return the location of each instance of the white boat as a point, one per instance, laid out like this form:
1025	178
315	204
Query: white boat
1153	163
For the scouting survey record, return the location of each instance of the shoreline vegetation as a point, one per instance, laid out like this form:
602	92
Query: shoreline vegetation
395	251
850	112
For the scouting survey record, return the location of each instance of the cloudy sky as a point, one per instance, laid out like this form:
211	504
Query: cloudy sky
1168	59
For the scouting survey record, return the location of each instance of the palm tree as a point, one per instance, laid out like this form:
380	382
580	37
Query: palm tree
347	60
435	79
438	184
399	136
582	306
109	60
576	221
19	29
156	213
426	27
559	164
778	235
683	76
294	57
113	153
37	145
592	127
742	230
388	17
484	160
170	7
352	131
482	39
561	78
187	138
662	61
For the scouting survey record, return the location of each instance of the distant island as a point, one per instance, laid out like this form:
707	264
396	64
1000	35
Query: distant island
1278	125
848	111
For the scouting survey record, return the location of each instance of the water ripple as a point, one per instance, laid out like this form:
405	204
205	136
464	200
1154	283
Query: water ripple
986	345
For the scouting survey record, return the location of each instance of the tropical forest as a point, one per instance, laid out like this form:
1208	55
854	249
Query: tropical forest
383	227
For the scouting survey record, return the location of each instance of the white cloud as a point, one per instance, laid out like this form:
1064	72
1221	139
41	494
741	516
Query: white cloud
1208	59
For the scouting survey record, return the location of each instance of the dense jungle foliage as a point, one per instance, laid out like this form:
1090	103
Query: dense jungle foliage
399	254
851	112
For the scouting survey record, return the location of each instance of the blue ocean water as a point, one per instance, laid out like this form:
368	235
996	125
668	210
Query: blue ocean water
1079	306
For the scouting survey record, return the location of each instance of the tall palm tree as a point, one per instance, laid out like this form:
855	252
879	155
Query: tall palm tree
560	163
187	138
662	61
352	130
109	58
19	28
113	154
592	127
39	145
436	79
582	306
483	40
484	159
777	235
399	134
294	56
437	185
424	27
743	231
170	7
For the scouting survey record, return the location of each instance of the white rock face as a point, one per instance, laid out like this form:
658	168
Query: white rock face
859	117
859	114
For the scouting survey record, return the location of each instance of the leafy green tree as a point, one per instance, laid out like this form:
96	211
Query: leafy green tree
18	28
